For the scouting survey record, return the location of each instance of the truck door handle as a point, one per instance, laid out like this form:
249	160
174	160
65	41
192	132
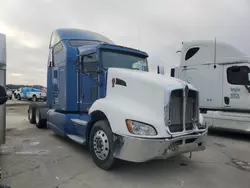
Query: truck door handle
226	100
82	98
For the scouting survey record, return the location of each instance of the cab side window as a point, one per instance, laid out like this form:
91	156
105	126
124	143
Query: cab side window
191	52
238	75
57	48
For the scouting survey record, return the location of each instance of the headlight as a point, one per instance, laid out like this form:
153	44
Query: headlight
138	128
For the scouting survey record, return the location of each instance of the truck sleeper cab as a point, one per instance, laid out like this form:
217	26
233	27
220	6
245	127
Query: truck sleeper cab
221	73
103	96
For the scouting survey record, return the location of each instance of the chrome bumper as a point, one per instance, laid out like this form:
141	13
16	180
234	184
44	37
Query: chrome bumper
141	149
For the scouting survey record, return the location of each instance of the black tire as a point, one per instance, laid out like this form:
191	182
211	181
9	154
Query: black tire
40	123
110	161
34	98
14	95
10	98
31	115
18	97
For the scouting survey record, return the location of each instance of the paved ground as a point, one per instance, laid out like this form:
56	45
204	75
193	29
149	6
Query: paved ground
34	158
15	102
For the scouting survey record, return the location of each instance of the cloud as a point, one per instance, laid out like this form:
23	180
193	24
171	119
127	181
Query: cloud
16	74
157	27
23	38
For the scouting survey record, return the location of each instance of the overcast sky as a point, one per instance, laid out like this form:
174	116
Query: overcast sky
155	26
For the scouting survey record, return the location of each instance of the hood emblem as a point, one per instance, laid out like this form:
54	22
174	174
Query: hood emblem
118	81
113	82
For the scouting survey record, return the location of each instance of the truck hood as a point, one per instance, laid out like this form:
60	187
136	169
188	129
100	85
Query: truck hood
142	86
142	96
149	78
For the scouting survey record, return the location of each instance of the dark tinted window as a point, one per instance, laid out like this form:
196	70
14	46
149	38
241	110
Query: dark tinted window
238	75
58	47
191	52
54	39
77	43
122	60
90	58
172	72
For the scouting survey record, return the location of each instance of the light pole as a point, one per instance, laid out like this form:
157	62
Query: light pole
3	98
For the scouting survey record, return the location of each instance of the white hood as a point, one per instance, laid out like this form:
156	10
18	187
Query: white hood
141	96
146	81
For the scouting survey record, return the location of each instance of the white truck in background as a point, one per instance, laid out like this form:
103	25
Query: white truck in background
16	92
221	73
36	95
9	93
31	93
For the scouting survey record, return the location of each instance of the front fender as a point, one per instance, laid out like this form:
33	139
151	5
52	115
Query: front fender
118	110
201	119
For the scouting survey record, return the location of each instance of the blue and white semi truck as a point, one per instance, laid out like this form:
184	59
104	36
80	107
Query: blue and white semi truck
102	95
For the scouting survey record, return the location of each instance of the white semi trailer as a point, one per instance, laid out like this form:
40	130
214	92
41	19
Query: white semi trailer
221	73
3	95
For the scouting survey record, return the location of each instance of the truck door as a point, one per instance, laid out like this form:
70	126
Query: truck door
58	76
236	92
208	81
89	86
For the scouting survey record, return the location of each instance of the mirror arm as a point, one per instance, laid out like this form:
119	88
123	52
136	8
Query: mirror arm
247	88
99	84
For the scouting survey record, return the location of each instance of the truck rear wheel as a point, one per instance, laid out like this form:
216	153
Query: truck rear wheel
31	115
40	123
101	145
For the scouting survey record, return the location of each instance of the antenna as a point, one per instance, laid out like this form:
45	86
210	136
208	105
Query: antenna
138	37
215	52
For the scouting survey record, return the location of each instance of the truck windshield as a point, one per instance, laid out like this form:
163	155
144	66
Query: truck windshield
121	60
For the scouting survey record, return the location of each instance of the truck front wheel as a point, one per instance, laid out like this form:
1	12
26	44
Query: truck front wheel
101	145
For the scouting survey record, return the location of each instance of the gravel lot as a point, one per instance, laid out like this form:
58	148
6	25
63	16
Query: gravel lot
38	158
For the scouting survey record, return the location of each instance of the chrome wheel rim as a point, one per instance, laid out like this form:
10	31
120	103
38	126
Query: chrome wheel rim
37	116
101	145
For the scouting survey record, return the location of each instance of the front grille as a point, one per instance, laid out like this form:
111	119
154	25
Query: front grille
179	128
175	119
